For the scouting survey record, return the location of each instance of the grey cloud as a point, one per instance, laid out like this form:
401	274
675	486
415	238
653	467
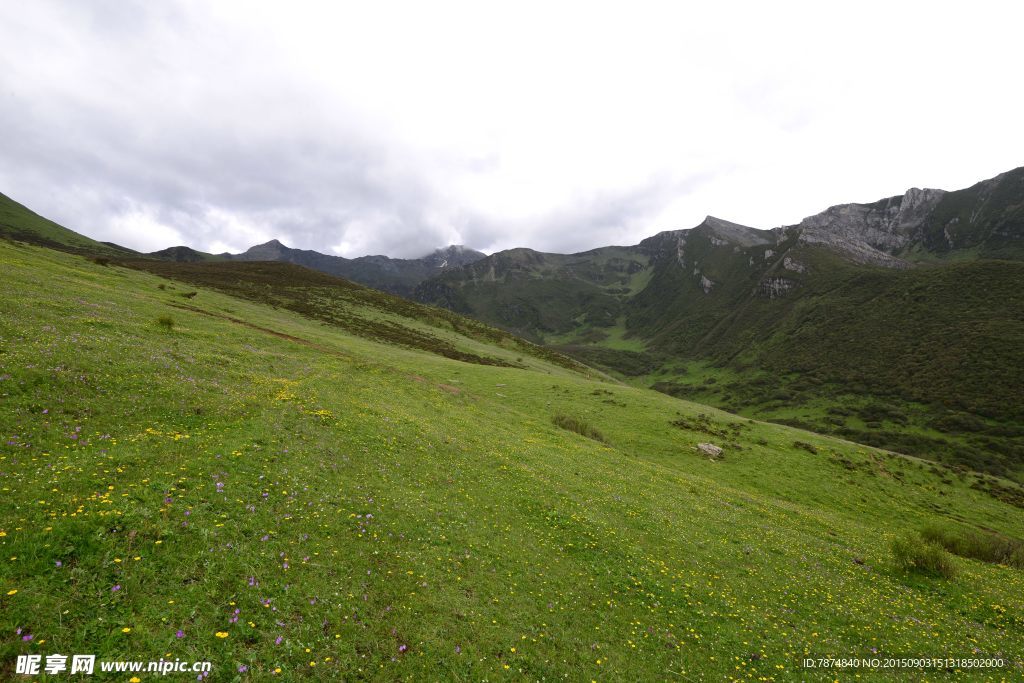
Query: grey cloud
86	162
306	191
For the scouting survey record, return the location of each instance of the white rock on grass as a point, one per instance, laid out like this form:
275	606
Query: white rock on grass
710	450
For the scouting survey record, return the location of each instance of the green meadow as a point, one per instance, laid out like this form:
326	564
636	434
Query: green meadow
343	487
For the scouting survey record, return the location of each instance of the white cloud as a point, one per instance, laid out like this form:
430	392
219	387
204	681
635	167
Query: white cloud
142	229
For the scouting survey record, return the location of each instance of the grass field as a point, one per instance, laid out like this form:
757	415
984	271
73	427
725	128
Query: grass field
250	483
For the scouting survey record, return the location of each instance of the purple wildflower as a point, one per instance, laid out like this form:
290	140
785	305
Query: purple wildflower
179	634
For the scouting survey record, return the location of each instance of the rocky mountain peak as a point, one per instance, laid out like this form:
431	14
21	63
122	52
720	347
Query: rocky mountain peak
268	251
452	256
734	233
887	225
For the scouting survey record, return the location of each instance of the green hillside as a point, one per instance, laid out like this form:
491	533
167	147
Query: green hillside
186	254
20	223
926	361
214	467
986	219
361	311
544	297
814	329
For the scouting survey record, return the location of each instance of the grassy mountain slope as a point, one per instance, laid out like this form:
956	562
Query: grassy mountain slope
360	310
185	254
373	511
20	223
986	219
541	296
926	361
803	324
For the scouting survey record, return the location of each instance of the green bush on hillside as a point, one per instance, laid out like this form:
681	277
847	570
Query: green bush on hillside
912	553
578	425
978	545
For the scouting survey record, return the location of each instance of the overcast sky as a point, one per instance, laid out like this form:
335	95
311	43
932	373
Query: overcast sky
394	128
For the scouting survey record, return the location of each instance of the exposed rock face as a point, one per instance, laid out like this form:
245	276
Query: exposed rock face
680	249
706	284
887	225
775	287
851	247
790	263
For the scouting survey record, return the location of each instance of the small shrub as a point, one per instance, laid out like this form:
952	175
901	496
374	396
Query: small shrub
912	553
809	447
188	295
1017	558
166	322
101	261
977	545
161	286
575	424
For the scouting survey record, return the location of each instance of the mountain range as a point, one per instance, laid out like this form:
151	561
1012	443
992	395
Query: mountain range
898	323
983	221
644	286
396	276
